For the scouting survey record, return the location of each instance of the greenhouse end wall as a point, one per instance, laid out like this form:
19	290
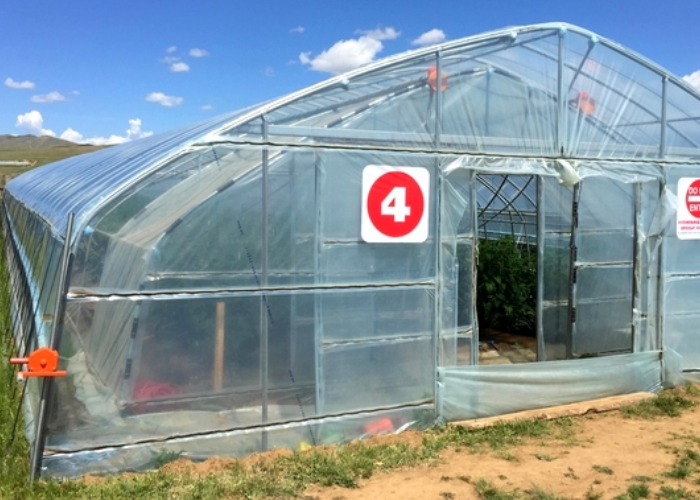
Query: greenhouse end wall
186	349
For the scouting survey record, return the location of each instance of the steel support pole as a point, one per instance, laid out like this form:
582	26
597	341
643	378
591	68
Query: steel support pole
438	99
439	284
571	323
561	99
541	354
664	119
475	256
264	320
54	343
637	270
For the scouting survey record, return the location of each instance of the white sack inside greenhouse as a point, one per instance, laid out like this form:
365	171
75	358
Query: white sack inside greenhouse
499	223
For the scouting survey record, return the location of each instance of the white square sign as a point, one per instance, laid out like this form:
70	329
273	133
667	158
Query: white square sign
688	214
395	204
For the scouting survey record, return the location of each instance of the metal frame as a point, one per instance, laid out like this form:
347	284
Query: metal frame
264	307
54	343
541	353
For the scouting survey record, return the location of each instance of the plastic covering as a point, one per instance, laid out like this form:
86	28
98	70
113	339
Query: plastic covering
681	277
475	392
236	443
222	299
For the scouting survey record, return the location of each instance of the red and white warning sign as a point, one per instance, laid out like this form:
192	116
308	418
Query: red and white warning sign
688	215
395	204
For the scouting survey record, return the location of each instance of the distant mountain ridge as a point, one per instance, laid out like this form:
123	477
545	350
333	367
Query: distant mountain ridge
16	142
21	152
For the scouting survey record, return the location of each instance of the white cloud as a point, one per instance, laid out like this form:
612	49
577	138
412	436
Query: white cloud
176	64
33	123
171	49
198	53
164	100
71	135
346	55
133	132
430	38
179	67
380	34
207	107
298	29
693	79
26	84
50	97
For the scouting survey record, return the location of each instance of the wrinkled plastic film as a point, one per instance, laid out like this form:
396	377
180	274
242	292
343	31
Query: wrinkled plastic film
238	443
475	392
168	351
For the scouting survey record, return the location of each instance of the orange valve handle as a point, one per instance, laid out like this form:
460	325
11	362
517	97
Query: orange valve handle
41	363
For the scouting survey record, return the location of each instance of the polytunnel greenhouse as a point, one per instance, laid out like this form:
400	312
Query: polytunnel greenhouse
307	271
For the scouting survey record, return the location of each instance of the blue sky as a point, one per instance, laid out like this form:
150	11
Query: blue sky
109	71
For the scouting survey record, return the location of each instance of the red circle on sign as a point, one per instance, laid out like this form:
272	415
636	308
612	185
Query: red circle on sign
395	204
692	199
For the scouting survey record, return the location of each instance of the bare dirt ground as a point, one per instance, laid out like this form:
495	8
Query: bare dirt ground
611	453
607	456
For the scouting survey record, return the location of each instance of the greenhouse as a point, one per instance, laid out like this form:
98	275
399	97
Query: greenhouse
504	222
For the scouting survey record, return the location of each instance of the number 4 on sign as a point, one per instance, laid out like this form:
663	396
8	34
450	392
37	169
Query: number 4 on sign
395	205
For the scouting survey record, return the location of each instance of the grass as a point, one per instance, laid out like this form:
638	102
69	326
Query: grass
591	494
669	493
487	491
635	492
667	404
502	436
41	156
603	469
687	463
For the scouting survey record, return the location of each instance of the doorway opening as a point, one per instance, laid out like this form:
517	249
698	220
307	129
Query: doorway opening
506	288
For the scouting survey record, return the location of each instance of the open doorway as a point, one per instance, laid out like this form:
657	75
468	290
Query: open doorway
550	271
506	291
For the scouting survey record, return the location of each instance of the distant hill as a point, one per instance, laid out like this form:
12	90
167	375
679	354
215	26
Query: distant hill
32	142
38	150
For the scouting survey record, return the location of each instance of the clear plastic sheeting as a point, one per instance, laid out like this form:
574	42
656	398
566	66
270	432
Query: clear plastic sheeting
200	223
237	443
238	360
681	275
541	90
475	392
55	193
